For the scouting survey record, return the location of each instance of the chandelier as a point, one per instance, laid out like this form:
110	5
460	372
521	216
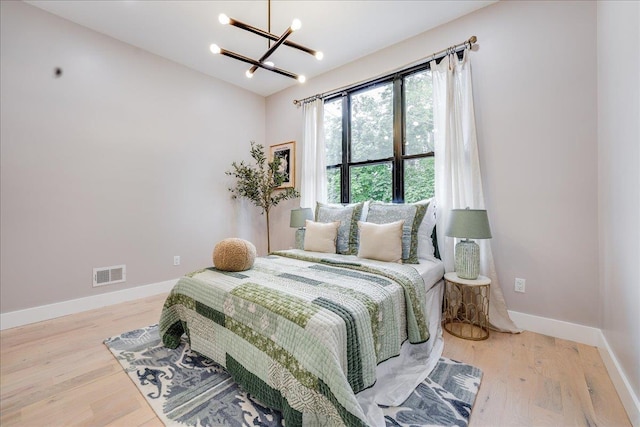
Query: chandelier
278	41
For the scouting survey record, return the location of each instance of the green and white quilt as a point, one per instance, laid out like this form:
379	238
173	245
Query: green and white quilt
303	332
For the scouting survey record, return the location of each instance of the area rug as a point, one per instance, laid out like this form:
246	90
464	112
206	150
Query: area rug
186	389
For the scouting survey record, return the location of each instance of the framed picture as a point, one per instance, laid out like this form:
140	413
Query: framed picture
286	152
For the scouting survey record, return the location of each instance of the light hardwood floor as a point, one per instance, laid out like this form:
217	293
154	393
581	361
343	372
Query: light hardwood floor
58	373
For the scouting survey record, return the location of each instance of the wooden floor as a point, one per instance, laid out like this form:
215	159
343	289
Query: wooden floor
58	373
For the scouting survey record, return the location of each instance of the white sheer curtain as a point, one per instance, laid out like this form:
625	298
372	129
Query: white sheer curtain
313	186
457	170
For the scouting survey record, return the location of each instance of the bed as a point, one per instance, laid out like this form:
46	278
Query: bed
323	337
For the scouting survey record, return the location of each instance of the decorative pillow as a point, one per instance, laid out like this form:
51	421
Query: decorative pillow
425	240
234	254
381	241
412	214
349	215
320	236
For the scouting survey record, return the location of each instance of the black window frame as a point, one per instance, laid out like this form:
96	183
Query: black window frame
399	121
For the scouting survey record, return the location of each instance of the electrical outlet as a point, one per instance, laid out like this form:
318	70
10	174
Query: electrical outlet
176	260
519	286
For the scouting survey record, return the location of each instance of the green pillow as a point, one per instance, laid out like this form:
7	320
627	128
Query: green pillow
348	215
412	214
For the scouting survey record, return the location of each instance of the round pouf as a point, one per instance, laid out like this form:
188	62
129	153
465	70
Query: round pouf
234	254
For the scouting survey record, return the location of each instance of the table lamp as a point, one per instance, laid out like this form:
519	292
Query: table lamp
468	224
298	219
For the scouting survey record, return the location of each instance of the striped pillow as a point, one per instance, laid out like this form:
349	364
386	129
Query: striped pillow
348	215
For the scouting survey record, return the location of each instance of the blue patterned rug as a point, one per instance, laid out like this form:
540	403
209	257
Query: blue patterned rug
186	389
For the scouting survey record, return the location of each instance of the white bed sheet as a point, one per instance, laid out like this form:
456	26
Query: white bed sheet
431	270
399	376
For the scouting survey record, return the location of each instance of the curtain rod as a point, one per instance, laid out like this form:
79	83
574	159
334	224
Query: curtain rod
468	44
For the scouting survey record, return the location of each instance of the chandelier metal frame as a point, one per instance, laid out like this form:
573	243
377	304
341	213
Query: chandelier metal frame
279	40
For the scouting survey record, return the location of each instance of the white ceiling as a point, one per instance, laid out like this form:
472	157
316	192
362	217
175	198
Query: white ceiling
183	30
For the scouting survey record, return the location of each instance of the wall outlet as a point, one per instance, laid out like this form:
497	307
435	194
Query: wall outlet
176	260
519	286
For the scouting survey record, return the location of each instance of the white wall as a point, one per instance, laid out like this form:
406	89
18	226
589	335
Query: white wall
120	160
534	78
619	181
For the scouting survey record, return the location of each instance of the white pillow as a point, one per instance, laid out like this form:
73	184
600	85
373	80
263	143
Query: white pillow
382	242
425	242
321	236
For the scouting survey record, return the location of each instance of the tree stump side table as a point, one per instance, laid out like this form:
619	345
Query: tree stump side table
466	307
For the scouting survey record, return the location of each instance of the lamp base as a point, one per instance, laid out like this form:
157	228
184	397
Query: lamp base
467	259
300	238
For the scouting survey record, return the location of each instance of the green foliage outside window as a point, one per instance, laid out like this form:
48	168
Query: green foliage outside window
419	179
371	183
372	124
333	185
418	113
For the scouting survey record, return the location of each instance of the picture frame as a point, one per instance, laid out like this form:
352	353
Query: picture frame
287	154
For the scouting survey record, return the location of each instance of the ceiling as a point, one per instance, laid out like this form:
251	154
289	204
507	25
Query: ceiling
183	30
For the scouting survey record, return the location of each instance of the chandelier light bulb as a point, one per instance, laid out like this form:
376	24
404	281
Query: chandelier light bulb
224	19
215	49
296	25
302	79
319	55
248	73
269	64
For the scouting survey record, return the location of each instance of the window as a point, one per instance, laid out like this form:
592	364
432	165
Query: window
379	140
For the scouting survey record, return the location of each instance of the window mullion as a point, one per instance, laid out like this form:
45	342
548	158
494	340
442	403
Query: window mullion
398	141
345	188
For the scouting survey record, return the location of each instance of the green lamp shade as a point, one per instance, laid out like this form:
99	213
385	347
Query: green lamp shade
298	220
468	224
299	216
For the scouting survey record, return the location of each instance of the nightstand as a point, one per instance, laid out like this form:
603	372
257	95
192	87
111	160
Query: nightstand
466	307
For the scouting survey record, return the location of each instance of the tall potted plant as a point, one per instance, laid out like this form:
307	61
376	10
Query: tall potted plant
259	183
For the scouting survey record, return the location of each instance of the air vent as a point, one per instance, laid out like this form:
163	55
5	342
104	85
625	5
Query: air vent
109	275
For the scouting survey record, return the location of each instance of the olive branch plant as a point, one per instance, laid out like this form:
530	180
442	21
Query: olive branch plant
259	183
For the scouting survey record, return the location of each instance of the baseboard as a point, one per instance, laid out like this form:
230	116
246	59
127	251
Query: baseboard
557	328
589	336
621	383
51	311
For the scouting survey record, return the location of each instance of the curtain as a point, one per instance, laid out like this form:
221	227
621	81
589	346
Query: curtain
457	170
313	186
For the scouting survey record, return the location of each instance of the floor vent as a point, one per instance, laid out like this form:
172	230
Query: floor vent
109	275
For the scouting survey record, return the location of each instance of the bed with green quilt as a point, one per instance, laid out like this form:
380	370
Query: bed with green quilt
303	332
